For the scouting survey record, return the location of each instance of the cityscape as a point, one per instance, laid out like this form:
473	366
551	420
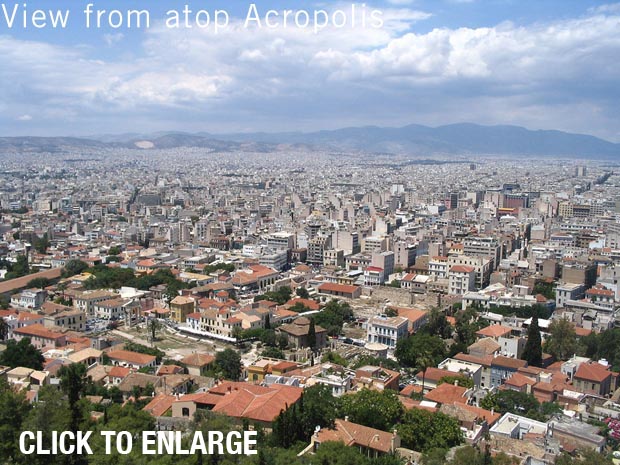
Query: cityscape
473	296
310	233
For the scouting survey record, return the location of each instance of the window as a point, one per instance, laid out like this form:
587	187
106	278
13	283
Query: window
185	411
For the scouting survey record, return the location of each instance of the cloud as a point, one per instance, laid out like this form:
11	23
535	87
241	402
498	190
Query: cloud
559	74
111	39
24	118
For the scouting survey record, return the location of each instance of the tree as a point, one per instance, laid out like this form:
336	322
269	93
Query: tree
114	250
467	324
4	329
39	283
229	363
302	292
73	267
420	350
41	244
437	324
22	354
13	409
532	353
507	400
562	340
319	407
312	335
375	409
73	381
272	352
153	326
422	430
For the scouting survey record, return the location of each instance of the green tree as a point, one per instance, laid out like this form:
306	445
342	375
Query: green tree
73	267
312	335
114	250
41	244
273	352
22	354
154	326
532	353
302	292
562	340
319	408
39	283
375	409
419	350
4	329
423	431
511	401
467	324
73	381
437	324
13	410
228	362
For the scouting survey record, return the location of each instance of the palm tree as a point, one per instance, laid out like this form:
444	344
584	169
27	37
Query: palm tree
424	361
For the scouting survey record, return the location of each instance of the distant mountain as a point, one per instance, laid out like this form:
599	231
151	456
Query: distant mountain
414	140
454	139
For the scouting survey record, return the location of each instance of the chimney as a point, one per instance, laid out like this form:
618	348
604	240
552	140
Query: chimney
346	418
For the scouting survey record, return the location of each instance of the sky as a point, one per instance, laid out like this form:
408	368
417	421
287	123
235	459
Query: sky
541	64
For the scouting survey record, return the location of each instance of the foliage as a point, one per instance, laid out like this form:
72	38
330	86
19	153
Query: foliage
375	409
38	283
272	352
73	267
18	269
334	357
541	311
532	352
462	381
115	250
420	351
437	324
333	317
22	354
302	292
467	324
317	407
228	362
41	244
154	325
73	382
562	340
312	335
519	403
587	457
13	410
603	345
422	430
280	296
545	289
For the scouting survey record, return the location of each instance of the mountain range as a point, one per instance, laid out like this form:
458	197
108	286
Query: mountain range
414	140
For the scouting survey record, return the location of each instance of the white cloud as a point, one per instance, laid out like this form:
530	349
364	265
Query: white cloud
560	74
24	118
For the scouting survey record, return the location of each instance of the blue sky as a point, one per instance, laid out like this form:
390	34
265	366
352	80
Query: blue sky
542	64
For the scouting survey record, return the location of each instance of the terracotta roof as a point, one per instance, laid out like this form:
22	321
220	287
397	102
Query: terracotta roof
261	405
38	330
333	287
513	363
198	360
592	372
462	269
159	405
447	393
353	434
494	331
119	372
